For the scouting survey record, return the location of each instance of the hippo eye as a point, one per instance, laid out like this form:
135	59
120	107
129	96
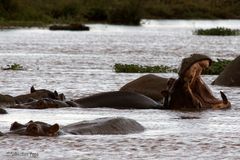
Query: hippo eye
32	129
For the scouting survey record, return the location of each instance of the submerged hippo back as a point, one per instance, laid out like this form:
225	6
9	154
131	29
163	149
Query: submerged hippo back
230	75
3	111
6	100
117	125
149	85
119	100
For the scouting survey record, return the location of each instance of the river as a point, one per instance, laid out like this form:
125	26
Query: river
81	63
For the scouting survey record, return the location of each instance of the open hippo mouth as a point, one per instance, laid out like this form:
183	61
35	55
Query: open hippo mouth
190	92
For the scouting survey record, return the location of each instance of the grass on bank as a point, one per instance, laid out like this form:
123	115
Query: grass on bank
218	31
112	11
216	68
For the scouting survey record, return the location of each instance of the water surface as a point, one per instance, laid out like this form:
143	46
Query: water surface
81	63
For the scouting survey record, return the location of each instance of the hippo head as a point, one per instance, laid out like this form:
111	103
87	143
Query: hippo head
34	129
47	94
189	91
41	104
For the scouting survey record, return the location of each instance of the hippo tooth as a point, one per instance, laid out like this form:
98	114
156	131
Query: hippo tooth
224	97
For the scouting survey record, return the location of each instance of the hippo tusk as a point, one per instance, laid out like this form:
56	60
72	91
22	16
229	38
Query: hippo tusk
224	97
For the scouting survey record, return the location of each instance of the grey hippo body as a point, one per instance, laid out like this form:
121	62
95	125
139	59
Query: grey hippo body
44	103
118	100
116	125
115	99
38	94
149	85
7	100
3	111
107	125
230	75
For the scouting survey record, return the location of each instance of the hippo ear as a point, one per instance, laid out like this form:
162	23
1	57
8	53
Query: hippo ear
32	90
53	129
15	126
55	93
30	121
62	97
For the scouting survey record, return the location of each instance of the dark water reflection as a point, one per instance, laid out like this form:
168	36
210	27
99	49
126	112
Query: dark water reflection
80	63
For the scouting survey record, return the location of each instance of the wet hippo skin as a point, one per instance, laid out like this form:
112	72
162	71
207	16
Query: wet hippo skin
118	100
230	75
3	111
38	94
6	100
44	104
118	125
149	85
189	92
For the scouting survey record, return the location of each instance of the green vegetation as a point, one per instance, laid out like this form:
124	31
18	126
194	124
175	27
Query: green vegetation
133	68
14	67
219	31
215	69
44	12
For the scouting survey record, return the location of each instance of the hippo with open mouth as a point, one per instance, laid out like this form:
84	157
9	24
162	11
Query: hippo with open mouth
107	125
189	92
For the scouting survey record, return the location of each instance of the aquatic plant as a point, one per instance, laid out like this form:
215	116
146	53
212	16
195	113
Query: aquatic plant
216	68
134	68
219	31
14	66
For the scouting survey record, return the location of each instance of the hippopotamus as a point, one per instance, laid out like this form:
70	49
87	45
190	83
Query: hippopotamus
3	111
44	103
189	92
230	75
118	100
149	85
107	125
6	100
38	94
114	99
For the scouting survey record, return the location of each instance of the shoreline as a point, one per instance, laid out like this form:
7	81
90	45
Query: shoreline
37	24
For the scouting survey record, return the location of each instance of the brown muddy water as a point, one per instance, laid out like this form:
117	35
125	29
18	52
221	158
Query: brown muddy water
80	63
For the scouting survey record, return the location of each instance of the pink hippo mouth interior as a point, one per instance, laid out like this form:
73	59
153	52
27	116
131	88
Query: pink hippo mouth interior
200	93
